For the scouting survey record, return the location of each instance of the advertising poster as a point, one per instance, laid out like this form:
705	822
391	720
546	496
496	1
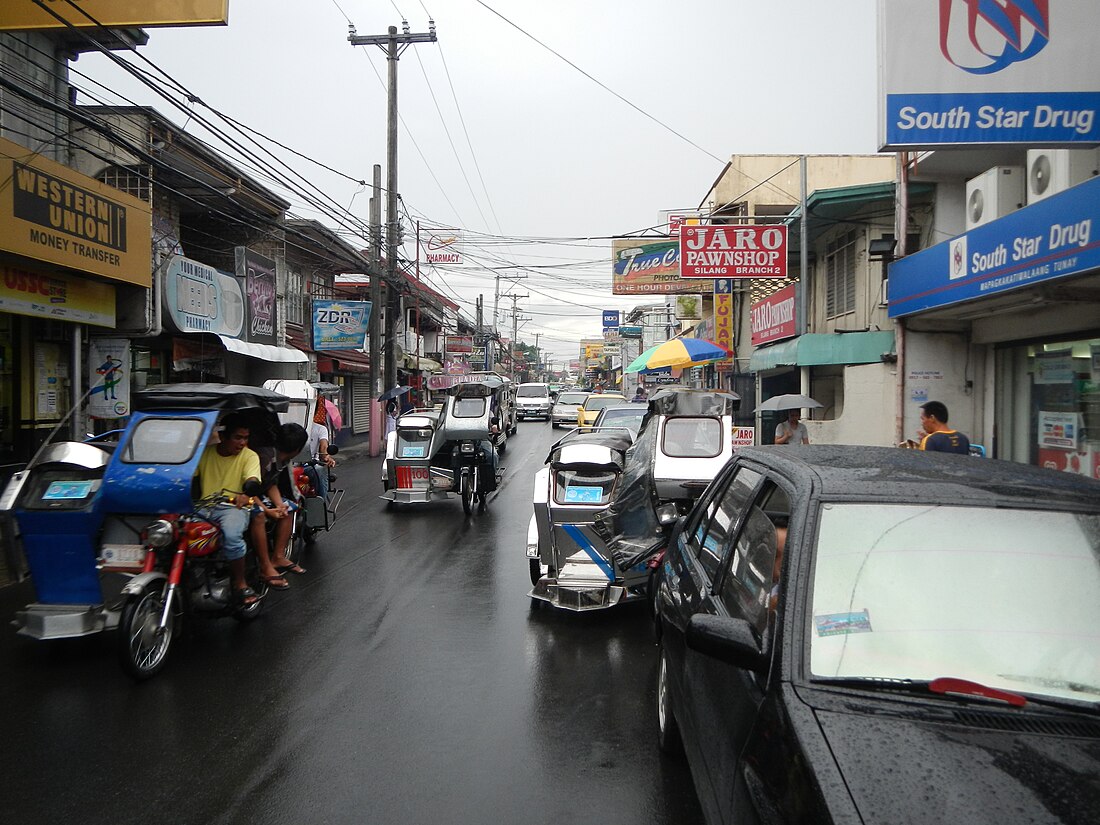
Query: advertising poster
200	298
689	307
340	324
53	295
257	275
1059	429
459	344
650	266
109	377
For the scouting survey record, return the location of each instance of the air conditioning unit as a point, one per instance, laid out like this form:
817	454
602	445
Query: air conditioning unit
993	194
1053	170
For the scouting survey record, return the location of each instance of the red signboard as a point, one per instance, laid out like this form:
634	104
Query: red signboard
773	318
733	252
459	344
723	321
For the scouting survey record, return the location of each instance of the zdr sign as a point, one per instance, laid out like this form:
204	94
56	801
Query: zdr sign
733	252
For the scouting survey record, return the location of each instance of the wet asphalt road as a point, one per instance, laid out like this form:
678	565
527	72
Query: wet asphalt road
405	679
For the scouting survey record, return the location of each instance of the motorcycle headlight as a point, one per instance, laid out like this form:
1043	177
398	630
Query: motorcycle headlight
466	447
158	534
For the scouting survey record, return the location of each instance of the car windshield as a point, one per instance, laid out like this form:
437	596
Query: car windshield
1004	597
631	418
598	402
572	398
469	407
532	392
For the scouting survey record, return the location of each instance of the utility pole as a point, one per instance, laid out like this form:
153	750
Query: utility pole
538	361
393	44
515	331
375	326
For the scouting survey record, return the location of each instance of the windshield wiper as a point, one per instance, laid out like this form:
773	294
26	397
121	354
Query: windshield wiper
945	686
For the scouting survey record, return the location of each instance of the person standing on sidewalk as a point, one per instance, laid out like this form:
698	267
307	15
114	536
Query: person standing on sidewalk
938	437
792	431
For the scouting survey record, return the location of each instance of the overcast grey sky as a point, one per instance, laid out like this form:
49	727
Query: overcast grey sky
558	158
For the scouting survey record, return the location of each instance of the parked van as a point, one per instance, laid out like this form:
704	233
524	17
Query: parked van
533	401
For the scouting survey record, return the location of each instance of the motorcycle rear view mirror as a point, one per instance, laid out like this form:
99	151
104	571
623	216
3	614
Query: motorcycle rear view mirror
253	488
333	449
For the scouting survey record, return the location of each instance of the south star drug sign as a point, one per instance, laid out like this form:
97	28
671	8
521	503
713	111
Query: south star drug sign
733	252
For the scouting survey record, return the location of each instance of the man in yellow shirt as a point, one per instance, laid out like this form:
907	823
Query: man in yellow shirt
227	465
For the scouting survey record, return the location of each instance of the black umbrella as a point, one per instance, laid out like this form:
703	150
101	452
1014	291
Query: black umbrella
394	393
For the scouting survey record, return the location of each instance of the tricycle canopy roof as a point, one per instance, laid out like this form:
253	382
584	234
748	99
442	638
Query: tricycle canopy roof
163	397
685	401
485	385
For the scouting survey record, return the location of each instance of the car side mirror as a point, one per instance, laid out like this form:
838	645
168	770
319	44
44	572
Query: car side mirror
728	640
333	449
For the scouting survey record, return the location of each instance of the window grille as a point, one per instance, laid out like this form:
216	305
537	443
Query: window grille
131	181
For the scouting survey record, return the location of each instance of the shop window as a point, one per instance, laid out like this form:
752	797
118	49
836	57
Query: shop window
840	275
295	299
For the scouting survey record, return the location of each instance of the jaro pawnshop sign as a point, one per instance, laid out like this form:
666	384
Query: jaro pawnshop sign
51	213
960	72
773	319
733	252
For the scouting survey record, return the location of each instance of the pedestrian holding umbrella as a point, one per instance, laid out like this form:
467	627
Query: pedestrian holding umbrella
792	430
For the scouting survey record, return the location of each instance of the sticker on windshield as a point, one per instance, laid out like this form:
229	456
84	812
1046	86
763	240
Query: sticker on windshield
64	490
412	451
841	624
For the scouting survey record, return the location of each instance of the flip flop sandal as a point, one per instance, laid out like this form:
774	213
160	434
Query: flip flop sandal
296	569
246	596
276	582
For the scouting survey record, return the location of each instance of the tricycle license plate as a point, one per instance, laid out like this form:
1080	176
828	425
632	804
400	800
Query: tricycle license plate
62	490
122	555
583	495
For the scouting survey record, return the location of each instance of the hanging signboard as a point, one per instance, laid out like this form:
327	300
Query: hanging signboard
689	307
257	274
442	246
19	15
733	252
56	296
340	324
647	266
610	319
743	437
773	318
458	344
108	377
723	316
963	72
199	298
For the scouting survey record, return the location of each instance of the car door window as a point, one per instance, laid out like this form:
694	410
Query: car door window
718	520
750	584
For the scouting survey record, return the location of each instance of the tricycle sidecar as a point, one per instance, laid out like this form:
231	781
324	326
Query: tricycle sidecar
571	566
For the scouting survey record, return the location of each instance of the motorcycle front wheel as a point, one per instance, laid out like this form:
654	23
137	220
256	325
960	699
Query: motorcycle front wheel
143	646
467	496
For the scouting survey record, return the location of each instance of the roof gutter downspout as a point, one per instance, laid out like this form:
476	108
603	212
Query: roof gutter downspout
901	231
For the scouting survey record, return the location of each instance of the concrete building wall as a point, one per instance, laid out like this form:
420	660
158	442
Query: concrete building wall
866	416
947	367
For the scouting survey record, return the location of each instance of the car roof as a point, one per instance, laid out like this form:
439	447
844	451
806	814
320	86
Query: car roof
637	409
606	395
889	473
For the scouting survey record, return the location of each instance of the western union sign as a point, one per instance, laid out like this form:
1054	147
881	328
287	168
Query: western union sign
16	15
51	213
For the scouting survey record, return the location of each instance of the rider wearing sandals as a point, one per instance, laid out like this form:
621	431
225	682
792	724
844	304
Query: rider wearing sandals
228	465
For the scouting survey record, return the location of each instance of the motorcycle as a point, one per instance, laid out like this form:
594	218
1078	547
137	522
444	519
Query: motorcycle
112	536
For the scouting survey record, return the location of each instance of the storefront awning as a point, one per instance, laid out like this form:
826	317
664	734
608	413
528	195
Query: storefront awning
265	352
816	348
342	360
423	364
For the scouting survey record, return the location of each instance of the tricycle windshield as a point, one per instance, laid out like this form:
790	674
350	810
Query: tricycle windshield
574	487
163	441
469	407
1008	598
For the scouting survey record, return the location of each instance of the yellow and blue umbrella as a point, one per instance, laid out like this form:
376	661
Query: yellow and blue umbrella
679	352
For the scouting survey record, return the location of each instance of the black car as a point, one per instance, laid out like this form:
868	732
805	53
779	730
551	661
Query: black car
875	635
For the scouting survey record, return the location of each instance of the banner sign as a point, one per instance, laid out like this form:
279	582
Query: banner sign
723	316
733	252
611	319
199	298
458	344
773	318
257	273
1045	241
442	246
644	266
51	213
963	72
630	332
52	295
22	15
744	437
108	377
340	324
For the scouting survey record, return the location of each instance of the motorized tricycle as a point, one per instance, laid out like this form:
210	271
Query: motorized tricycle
571	566
430	455
112	534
